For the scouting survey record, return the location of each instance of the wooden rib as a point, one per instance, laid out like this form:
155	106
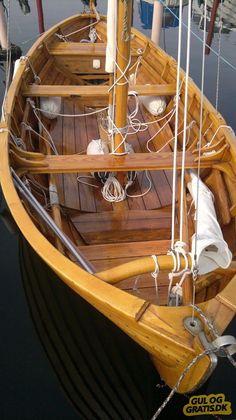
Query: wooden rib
94	90
216	184
103	163
26	154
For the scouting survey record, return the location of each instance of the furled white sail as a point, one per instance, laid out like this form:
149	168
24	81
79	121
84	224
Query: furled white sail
111	35
212	251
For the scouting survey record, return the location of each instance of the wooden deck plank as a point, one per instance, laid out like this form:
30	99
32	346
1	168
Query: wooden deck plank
71	191
86	193
134	225
94	90
93	134
151	200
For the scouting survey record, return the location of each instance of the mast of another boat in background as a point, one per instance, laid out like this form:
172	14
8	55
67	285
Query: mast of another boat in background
40	16
157	22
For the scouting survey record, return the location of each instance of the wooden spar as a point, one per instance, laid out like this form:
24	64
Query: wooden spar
138	267
123	55
211	26
40	16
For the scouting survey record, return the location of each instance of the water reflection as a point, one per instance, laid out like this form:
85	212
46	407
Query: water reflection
170	13
225	16
103	372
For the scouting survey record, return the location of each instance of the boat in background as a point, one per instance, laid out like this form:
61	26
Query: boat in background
170	18
88	153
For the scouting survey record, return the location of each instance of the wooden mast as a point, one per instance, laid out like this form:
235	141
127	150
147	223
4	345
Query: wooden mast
123	56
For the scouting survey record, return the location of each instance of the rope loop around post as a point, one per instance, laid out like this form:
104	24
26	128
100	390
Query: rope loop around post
155	273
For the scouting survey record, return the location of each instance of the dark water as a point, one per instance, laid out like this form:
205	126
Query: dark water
123	383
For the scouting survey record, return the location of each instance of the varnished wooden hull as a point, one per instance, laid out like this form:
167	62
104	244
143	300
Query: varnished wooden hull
97	228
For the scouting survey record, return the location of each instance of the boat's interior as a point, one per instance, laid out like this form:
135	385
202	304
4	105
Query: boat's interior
108	233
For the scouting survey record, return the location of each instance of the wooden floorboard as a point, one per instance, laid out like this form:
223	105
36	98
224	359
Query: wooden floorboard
131	226
86	193
151	200
69	146
72	136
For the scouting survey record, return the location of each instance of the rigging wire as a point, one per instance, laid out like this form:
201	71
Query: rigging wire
199	147
218	61
185	124
198	37
176	127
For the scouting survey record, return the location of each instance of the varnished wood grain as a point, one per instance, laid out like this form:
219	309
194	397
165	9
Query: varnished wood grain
103	163
94	90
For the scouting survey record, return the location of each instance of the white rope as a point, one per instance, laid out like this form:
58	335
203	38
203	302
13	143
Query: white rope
142	194
16	140
47	132
159	130
176	125
65	37
213	137
218	63
135	286
81	177
175	293
122	75
200	142
36	77
137	125
112	190
155	274
49	142
74	115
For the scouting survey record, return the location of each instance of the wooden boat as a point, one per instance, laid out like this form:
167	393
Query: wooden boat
99	248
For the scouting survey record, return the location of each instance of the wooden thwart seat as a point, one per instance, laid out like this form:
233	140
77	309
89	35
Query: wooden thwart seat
89	91
125	249
97	49
77	48
129	226
102	163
